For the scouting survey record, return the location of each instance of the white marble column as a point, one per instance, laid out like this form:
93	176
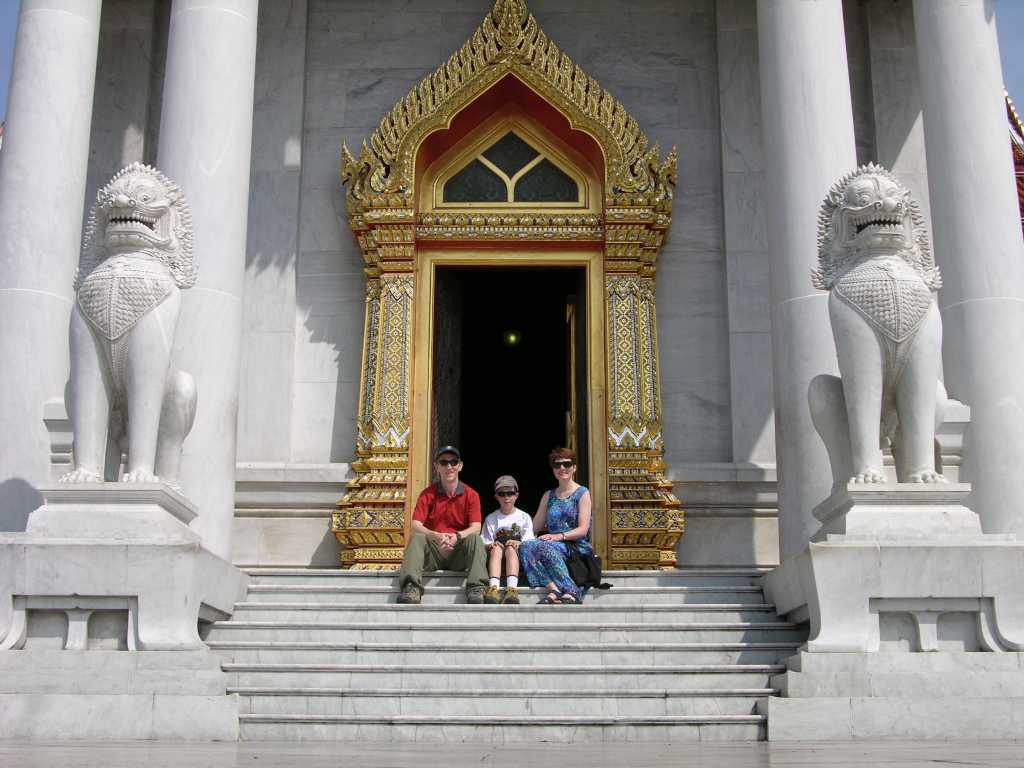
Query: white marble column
205	146
978	245
807	128
42	191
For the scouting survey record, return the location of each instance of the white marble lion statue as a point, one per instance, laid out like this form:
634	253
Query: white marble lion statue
874	260
124	392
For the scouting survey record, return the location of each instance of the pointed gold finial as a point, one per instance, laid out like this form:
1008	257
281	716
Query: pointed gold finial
510	18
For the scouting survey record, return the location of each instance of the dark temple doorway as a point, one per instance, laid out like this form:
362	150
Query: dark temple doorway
510	374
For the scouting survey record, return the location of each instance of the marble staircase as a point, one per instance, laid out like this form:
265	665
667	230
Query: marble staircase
327	654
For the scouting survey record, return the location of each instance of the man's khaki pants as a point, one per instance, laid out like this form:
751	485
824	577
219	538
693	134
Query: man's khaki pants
422	554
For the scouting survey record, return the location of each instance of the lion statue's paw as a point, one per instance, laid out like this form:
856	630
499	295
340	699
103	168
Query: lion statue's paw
140	476
868	476
82	475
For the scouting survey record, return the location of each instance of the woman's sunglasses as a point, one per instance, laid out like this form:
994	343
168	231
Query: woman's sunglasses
563	464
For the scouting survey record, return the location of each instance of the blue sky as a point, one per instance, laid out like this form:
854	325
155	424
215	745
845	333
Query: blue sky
1009	17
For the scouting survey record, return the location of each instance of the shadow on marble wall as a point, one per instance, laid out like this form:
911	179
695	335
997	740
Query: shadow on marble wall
127	63
268	333
18	498
327	554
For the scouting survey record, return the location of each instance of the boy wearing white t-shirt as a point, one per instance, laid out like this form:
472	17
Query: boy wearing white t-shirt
503	531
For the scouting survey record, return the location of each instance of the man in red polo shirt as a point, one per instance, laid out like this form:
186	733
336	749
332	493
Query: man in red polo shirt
445	533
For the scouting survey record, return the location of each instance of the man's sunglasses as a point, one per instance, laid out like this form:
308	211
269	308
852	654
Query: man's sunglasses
563	464
507	493
448	462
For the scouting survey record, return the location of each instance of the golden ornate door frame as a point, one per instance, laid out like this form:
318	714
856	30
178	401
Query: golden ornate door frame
428	260
401	239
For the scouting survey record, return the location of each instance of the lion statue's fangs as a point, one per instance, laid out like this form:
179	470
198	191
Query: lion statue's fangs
136	259
874	260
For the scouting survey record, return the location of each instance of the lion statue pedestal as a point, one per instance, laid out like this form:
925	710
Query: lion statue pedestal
915	616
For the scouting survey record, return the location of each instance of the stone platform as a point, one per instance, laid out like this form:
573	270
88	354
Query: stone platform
100	604
879	754
916	621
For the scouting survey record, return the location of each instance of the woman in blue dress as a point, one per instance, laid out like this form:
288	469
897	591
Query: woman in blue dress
565	513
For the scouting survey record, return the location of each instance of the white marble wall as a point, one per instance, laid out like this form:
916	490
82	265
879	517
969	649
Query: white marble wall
268	330
351	80
746	248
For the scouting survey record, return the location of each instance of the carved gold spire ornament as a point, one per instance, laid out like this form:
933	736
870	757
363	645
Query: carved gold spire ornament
644	519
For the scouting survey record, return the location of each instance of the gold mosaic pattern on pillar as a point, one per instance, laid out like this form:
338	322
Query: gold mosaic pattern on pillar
644	519
370	520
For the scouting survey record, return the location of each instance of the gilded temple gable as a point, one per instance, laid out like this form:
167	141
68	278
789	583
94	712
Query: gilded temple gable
509	40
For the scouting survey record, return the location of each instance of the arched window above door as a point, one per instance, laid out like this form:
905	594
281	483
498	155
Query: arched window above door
510	161
511	171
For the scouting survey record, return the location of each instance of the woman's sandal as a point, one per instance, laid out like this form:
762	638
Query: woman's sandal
551	598
568	599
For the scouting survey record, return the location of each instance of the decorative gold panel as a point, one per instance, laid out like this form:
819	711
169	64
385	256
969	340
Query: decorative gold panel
643	519
644	512
370	521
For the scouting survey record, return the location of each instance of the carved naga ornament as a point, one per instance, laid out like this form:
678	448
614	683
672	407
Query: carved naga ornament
873	258
136	258
645	519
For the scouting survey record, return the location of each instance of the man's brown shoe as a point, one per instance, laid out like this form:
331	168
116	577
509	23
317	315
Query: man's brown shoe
410	594
474	594
492	596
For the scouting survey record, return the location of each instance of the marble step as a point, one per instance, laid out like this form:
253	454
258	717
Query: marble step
448	595
517	632
500	730
588	703
303	612
474	655
566	675
692	577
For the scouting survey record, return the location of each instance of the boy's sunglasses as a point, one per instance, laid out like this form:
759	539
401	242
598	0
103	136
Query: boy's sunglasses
507	493
447	462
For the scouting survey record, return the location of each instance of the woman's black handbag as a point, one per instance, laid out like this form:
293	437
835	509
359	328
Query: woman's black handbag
585	568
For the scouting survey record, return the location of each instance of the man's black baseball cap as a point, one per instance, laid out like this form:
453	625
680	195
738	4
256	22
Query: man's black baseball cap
448	449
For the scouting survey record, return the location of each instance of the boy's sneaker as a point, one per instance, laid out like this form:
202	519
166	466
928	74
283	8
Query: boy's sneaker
474	594
511	596
410	594
492	596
